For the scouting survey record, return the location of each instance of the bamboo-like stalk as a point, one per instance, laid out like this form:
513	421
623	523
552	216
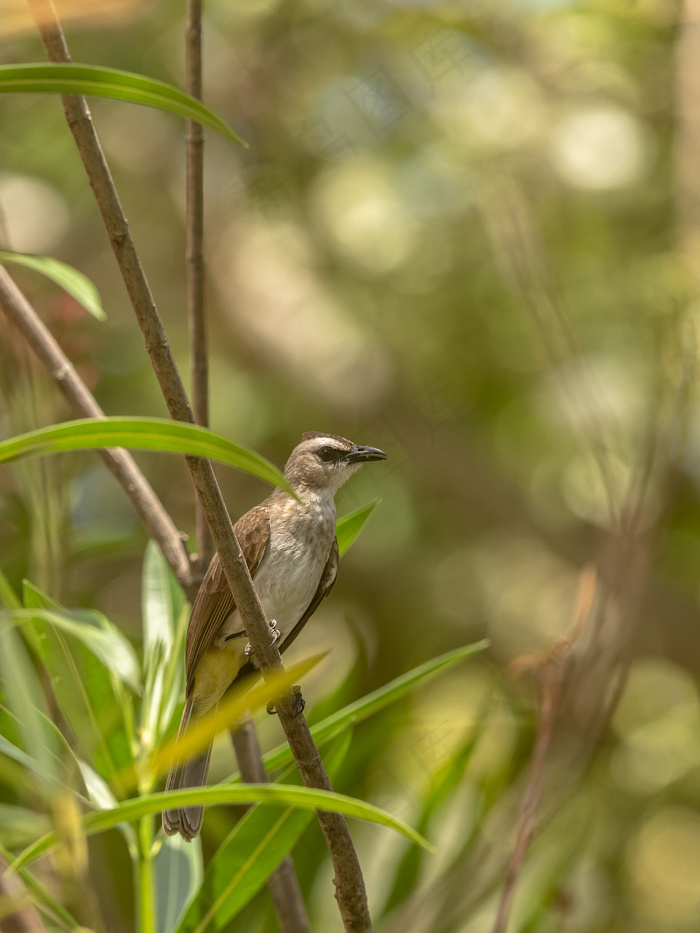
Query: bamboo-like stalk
349	883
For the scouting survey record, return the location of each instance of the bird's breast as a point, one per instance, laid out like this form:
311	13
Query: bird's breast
291	570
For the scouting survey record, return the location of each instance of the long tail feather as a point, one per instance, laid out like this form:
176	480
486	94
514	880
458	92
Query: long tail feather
191	772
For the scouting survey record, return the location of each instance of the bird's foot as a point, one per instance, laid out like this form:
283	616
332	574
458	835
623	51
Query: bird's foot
299	703
274	631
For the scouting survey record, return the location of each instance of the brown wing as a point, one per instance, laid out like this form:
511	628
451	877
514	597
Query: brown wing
214	602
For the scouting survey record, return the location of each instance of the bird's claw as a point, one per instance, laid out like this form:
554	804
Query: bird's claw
299	703
274	631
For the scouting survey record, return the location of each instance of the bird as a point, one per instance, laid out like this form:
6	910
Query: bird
291	550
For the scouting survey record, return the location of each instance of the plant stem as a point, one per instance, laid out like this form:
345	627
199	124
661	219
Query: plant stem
146	887
282	884
194	229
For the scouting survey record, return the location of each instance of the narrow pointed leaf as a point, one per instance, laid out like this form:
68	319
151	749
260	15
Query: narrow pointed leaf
25	703
85	682
236	705
161	607
141	434
349	526
275	794
70	280
250	853
42	896
377	700
91	628
178	871
97	81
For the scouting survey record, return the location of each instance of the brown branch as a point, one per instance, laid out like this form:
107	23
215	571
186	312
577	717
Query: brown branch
282	883
350	890
147	504
194	176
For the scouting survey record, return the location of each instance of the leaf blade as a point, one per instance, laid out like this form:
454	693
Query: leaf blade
99	81
349	526
141	434
66	277
250	853
377	700
273	794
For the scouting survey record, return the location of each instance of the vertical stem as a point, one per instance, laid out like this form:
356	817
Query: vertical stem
195	254
147	921
282	884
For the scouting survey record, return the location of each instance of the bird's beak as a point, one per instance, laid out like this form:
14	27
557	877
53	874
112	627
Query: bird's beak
362	454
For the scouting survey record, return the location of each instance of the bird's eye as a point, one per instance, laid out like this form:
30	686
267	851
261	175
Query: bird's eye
326	453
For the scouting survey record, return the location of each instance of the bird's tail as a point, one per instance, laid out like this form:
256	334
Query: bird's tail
190	772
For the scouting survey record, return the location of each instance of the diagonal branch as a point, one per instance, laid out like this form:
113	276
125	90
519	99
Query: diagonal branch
139	492
350	890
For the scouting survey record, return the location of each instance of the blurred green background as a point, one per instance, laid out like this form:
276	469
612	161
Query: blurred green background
469	234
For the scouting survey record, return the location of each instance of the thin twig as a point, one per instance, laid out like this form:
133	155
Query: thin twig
519	248
282	883
80	123
194	227
139	492
551	676
350	889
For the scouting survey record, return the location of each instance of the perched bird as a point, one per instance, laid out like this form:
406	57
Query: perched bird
292	554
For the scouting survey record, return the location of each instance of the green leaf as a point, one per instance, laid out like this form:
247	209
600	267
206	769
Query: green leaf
141	434
250	853
87	683
178	875
440	787
162	610
63	767
20	825
25	704
97	81
91	628
349	526
8	597
274	794
374	702
42	897
17	754
70	280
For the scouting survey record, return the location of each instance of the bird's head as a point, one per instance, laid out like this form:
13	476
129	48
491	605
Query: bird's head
323	462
